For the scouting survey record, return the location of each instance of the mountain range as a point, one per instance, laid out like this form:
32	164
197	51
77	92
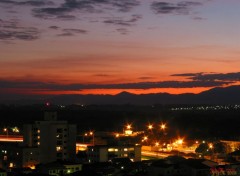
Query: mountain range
219	95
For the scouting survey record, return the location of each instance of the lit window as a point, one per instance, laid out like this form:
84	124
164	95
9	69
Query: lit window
11	165
58	148
38	131
131	149
111	149
125	149
116	150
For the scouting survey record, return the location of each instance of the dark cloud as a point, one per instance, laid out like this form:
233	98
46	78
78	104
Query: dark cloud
52	12
125	5
102	75
72	32
145	77
11	30
54	27
123	22
122	31
30	2
183	7
197	80
187	74
234	77
140	85
199	18
89	6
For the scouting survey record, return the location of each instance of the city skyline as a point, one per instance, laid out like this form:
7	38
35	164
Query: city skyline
110	46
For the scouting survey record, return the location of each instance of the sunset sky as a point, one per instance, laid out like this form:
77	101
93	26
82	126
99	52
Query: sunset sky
110	46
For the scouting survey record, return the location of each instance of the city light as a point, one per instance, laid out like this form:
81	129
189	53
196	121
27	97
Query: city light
163	126
150	126
129	126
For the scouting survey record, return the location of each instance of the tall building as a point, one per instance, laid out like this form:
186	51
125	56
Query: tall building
54	140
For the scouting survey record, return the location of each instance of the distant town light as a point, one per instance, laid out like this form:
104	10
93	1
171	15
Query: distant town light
163	126
129	126
150	126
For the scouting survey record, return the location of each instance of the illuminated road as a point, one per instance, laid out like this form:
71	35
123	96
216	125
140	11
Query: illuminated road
154	154
11	138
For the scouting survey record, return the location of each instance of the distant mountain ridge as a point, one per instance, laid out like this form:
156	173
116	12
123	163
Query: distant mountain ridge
227	95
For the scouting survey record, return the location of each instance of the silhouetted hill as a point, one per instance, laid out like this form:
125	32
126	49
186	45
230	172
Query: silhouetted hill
227	95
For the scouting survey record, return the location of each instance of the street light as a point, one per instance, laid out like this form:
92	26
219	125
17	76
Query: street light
145	138
91	133
129	126
150	126
6	130
163	126
15	129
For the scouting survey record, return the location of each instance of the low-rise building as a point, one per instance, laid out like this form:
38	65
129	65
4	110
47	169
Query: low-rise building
3	172
103	153
59	168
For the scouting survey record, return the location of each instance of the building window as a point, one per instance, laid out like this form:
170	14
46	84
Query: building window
59	154
59	142
58	148
59	130
111	149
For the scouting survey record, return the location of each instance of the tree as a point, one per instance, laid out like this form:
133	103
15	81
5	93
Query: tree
202	148
220	147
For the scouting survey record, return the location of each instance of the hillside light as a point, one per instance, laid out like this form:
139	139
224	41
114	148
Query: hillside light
163	126
150	126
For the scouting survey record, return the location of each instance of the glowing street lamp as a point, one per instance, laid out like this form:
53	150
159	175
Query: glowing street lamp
180	141
150	126
91	133
129	126
15	129
163	126
5	130
145	138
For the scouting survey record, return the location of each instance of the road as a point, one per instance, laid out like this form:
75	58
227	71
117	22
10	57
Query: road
11	138
154	154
